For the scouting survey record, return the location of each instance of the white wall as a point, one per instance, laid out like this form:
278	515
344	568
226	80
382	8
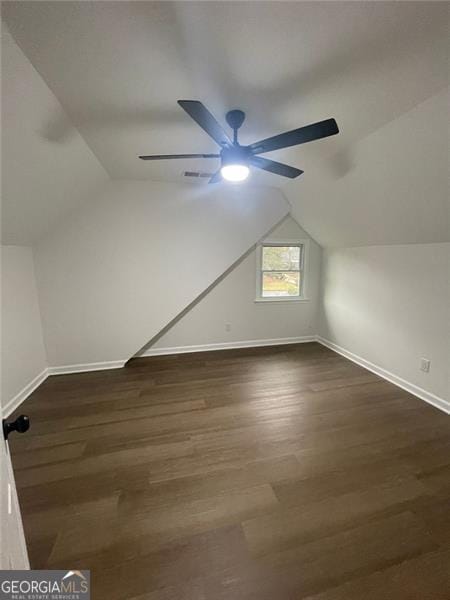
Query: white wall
47	167
118	271
390	305
232	301
23	356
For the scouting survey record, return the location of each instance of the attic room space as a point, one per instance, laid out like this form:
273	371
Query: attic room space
225	300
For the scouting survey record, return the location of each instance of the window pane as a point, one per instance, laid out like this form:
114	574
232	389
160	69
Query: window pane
280	284
280	258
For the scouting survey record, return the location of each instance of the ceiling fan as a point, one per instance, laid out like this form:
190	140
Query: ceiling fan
236	159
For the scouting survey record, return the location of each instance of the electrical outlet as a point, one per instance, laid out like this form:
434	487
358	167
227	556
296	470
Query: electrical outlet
425	365
227	326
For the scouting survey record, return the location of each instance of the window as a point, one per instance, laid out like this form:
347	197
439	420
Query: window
280	271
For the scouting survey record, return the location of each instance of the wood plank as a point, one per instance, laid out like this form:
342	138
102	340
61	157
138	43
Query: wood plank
290	526
423	578
45	456
164	524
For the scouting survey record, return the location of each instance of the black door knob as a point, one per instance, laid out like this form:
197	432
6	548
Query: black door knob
21	424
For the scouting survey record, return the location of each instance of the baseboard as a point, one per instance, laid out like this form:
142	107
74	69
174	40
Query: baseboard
84	368
436	401
227	346
15	402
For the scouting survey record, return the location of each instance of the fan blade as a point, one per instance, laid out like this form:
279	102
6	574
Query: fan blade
275	167
216	178
167	156
316	131
207	122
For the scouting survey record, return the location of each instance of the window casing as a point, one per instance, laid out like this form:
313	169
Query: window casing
280	275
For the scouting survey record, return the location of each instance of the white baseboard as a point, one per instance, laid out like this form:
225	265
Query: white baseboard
118	364
85	367
227	346
436	401
15	402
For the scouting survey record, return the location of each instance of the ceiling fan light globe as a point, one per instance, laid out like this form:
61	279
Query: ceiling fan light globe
235	173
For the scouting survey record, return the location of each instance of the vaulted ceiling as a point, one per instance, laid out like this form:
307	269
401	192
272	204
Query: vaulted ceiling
118	69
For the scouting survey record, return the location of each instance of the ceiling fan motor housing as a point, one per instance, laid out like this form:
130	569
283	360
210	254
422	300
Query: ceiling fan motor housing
235	155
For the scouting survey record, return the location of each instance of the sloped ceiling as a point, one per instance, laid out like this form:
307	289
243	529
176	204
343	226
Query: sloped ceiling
119	67
393	188
43	178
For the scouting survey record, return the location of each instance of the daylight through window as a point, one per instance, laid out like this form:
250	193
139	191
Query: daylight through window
281	270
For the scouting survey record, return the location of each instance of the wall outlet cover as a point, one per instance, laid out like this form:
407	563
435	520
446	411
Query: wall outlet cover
425	365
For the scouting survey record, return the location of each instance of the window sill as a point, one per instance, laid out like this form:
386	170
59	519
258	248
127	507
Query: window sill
281	299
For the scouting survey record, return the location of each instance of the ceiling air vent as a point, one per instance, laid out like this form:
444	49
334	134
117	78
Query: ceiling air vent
197	174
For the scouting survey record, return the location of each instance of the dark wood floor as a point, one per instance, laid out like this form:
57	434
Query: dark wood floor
264	474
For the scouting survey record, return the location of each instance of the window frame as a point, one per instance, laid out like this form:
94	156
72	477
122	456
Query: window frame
303	270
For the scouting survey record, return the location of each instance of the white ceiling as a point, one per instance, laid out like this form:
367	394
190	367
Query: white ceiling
393	187
43	178
118	69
